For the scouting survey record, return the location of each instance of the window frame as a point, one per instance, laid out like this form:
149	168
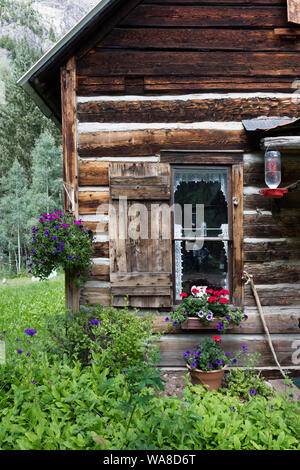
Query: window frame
233	160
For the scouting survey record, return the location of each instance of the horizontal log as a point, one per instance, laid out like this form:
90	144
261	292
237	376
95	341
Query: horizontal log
189	39
201	158
284	320
87	86
260	226
196	16
99	228
288	294
267	251
93	173
101	272
202	83
234	64
282	142
183	110
210	2
253	201
173	346
278	272
89	202
151	141
141	291
93	296
101	250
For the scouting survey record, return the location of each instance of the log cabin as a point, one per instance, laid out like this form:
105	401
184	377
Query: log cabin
175	102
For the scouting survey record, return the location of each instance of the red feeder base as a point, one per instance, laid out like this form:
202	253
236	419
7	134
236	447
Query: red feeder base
273	193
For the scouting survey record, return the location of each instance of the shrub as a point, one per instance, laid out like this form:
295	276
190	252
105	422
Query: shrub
119	338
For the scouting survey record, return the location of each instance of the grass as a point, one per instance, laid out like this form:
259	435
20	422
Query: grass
23	304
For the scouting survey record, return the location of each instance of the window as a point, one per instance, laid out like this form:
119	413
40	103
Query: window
202	235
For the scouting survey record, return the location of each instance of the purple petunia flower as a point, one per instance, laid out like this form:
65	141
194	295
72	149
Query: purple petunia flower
218	362
167	319
70	257
30	332
175	323
244	347
234	361
95	321
42	261
33	382
200	314
28	354
54	238
232	408
185	354
210	366
193	364
19	351
252	391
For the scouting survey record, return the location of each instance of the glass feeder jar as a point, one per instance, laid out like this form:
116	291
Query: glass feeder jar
272	168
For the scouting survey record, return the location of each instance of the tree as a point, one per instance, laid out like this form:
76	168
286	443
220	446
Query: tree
14	213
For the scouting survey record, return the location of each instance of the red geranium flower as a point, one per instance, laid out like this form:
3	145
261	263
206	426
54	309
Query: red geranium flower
195	291
224	292
223	300
209	291
217	339
212	299
183	294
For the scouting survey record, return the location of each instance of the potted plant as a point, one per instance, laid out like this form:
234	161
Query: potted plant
206	309
59	240
207	361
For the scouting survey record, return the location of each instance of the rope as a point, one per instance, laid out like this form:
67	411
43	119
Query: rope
249	280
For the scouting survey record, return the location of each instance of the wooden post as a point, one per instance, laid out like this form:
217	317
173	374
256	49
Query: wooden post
68	103
238	234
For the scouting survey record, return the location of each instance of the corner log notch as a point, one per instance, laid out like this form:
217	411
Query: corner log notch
70	170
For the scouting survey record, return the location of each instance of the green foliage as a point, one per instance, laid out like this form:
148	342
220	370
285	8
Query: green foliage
60	241
117	338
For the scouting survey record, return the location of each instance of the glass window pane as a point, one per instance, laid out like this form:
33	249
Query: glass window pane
202	264
207	187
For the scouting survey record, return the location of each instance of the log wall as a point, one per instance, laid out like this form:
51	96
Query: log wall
183	75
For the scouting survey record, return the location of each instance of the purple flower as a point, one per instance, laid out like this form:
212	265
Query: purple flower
193	364
252	391
61	244
167	319
218	362
227	317
185	354
30	332
175	323
211	366
232	408
70	257
42	261
33	382
200	314
64	225
244	347
209	316
234	361
94	322
19	351
28	354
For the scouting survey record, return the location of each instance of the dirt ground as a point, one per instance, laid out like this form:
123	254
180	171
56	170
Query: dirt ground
176	382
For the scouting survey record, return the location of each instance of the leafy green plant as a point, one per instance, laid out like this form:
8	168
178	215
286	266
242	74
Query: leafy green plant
117	338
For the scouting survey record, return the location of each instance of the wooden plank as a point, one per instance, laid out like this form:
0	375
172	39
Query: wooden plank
238	234
203	83
93	173
141	279
277	272
173	346
268	250
255	200
293	8
90	201
192	39
200	158
148	142
209	2
101	272
280	320
281	142
99	228
289	294
93	296
268	226
89	86
101	250
234	64
69	139
184	110
141	291
204	15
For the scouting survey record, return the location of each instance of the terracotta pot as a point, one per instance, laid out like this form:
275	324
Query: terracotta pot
195	323
211	380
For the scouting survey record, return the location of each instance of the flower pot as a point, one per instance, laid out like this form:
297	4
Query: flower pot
195	323
211	380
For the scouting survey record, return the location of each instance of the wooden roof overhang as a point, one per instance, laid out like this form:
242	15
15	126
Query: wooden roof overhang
42	80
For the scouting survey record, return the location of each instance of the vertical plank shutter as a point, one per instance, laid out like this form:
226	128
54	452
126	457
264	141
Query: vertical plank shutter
140	234
293	7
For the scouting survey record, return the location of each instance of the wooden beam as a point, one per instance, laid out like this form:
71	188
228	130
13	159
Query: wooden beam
238	235
70	170
280	143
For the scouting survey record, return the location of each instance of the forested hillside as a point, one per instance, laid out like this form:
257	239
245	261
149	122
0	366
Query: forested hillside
30	144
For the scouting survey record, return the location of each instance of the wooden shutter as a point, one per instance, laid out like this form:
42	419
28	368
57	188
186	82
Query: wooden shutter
293	7
140	265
